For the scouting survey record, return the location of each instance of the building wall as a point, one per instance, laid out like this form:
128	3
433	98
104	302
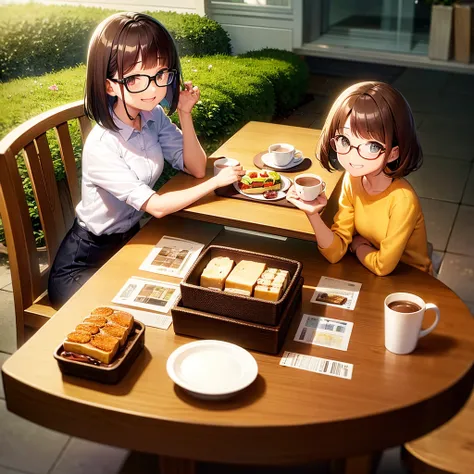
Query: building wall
256	25
180	6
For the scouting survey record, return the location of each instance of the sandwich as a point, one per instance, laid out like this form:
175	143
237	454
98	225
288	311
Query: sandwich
258	182
99	337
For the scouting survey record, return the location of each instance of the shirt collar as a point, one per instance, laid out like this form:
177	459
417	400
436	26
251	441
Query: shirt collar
126	131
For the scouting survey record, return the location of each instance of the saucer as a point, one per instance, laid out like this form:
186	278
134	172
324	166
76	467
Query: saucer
266	159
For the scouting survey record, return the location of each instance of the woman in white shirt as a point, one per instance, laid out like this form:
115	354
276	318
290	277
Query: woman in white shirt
132	67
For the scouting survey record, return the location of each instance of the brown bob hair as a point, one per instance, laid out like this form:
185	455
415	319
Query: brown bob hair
115	47
379	112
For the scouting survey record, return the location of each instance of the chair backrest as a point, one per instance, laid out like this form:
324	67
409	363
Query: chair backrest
55	205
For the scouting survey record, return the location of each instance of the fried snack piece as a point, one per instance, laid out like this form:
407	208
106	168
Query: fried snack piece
122	318
97	320
81	337
102	311
90	328
114	330
105	343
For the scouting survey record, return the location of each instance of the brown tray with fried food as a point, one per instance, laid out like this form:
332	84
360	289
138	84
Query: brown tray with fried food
239	306
125	350
252	336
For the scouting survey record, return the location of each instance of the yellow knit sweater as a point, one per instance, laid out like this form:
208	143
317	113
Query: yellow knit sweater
391	221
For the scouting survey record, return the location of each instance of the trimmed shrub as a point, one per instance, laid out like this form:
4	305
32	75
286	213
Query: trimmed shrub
51	38
288	73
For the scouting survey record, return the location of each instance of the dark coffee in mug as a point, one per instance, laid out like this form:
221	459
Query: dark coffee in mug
404	306
282	149
308	181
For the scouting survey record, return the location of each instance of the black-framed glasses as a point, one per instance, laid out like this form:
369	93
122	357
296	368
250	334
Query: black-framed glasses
368	150
140	82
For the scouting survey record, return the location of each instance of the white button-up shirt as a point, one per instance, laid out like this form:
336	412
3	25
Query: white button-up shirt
119	170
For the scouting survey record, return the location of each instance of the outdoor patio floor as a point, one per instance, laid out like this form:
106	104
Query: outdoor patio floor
445	185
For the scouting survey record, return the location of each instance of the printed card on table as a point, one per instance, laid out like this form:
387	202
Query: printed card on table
326	332
172	256
334	292
160	321
148	294
319	365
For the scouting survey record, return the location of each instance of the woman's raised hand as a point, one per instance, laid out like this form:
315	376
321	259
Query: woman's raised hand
309	207
188	97
229	175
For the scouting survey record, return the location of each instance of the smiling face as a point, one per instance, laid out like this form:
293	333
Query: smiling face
352	162
146	100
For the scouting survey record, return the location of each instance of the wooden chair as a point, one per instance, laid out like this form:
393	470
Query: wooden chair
55	206
449	449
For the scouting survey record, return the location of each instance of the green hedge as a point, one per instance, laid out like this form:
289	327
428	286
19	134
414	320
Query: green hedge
234	90
41	39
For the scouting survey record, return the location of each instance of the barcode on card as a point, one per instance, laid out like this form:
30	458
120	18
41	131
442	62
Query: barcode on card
319	365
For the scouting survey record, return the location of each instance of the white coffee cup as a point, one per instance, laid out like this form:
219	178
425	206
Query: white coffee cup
402	328
222	163
282	153
309	186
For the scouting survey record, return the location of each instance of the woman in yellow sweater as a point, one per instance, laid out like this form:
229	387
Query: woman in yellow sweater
371	132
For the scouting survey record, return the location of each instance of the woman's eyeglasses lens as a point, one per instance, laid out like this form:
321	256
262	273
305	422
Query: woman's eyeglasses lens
369	150
139	82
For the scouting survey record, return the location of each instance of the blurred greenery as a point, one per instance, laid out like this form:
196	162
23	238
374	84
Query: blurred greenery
36	39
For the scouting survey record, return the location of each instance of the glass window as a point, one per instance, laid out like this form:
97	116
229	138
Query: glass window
264	3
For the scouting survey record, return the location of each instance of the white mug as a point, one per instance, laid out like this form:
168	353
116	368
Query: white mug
282	153
222	163
309	186
403	329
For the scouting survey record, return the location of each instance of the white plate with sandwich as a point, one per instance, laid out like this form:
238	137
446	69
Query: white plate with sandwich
263	185
212	369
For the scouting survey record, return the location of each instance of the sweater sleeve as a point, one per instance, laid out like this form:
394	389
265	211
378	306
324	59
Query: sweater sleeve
343	227
401	225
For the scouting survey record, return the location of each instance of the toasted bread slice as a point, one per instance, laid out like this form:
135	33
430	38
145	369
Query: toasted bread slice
100	347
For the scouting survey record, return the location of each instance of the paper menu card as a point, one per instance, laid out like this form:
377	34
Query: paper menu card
326	332
172	256
335	292
149	294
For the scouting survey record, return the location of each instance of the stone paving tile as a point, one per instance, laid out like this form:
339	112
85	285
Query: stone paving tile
457	272
440	178
86	457
440	136
6	470
461	241
26	446
3	357
5	275
468	197
439	219
437	260
415	79
459	84
7	323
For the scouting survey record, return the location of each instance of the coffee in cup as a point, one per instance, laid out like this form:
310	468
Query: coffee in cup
309	186
404	314
222	163
282	154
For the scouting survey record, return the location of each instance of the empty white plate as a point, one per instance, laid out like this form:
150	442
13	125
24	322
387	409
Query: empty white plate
212	369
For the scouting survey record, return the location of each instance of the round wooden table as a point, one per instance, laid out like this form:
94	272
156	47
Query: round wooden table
288	416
